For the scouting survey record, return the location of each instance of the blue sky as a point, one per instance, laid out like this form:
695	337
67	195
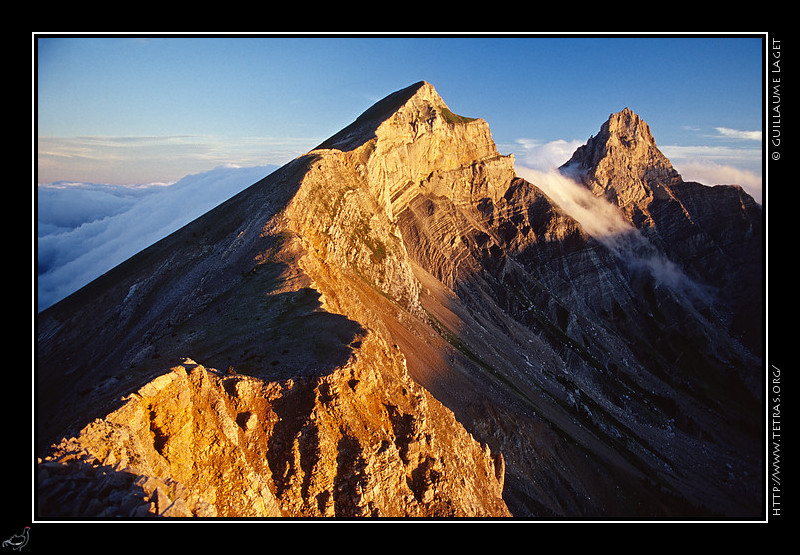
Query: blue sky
129	110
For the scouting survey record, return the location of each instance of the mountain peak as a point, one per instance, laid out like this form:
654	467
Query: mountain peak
622	162
623	137
628	126
417	102
411	139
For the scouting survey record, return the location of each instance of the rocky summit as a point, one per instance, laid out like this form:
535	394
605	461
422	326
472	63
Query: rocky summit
396	324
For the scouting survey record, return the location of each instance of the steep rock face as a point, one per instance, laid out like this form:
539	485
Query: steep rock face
597	352
362	187
623	164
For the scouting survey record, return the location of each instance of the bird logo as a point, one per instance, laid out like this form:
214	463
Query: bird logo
18	541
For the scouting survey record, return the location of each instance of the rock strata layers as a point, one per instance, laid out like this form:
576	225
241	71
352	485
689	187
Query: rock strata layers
279	286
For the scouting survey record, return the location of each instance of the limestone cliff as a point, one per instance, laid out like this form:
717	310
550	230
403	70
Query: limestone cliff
401	326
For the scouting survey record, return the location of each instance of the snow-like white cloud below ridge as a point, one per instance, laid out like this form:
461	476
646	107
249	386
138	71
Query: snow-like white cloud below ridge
84	230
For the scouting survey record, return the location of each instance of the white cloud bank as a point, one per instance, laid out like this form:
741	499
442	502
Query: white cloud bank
739	134
734	163
544	156
712	173
84	230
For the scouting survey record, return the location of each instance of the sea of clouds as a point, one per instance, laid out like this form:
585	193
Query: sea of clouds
85	229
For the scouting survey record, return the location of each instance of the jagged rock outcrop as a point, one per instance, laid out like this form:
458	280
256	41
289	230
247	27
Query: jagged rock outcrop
404	327
362	441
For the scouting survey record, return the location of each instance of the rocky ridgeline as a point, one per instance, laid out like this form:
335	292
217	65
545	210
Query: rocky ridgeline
376	298
195	442
85	488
